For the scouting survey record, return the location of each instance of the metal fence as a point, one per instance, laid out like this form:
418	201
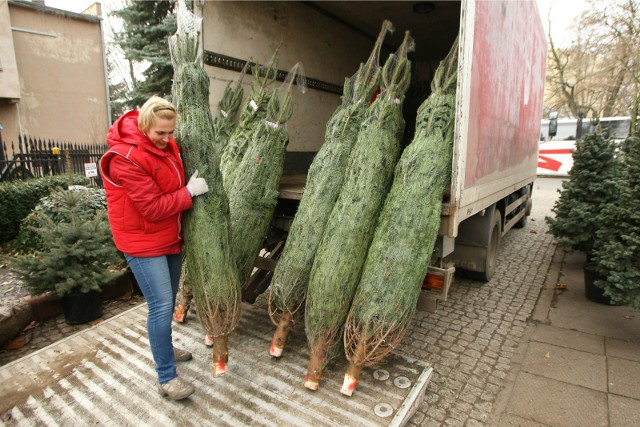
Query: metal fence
34	157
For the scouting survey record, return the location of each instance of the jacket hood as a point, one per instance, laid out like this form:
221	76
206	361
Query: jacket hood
125	130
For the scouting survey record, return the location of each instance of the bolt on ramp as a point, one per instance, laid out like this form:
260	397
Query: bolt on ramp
104	375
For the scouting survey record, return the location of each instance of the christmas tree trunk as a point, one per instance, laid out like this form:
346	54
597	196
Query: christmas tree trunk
212	276
399	255
183	301
324	182
338	262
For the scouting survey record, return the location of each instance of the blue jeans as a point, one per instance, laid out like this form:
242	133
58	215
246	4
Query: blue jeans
158	278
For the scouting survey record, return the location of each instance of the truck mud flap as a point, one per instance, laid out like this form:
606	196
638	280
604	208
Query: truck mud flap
104	375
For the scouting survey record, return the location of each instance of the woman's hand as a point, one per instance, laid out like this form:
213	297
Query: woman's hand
197	186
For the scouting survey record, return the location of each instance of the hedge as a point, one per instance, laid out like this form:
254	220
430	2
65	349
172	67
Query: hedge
18	198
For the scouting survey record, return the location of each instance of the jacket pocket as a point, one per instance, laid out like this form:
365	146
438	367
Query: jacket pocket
131	219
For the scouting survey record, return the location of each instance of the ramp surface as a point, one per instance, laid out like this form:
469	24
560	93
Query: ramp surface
104	376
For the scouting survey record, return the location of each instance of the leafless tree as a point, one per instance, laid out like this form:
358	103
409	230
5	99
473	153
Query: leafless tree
599	72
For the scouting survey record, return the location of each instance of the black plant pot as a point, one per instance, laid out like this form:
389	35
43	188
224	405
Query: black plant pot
81	307
591	291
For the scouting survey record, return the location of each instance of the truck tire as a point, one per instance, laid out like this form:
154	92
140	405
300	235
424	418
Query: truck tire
493	246
492	250
477	244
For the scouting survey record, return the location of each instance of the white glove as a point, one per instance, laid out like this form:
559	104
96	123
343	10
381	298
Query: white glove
197	186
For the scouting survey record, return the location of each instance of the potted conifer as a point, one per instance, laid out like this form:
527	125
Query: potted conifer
76	255
617	248
590	190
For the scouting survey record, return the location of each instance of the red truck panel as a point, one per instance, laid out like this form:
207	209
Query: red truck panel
507	83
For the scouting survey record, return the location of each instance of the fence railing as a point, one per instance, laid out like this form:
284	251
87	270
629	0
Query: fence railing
34	157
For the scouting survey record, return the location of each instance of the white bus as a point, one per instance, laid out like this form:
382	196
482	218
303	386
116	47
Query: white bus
554	154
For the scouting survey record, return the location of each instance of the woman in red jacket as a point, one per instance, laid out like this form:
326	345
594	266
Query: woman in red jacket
146	194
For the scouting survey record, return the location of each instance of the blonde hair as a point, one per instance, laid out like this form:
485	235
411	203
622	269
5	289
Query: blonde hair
155	108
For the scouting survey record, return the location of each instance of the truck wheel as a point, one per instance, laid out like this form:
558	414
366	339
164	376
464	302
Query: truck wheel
493	246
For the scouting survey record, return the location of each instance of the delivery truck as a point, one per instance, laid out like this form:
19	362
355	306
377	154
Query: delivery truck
501	73
104	375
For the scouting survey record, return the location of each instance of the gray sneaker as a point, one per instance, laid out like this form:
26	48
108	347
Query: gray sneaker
176	389
181	355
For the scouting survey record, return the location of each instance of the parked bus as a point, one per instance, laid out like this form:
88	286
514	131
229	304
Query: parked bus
554	155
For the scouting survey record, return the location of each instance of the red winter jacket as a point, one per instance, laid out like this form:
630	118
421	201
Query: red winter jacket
145	189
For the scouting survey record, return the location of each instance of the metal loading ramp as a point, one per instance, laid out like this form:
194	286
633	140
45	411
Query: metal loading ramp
104	376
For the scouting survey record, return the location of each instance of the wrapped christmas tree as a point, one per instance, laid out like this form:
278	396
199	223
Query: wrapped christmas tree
211	272
349	230
253	198
223	125
324	182
225	121
253	111
400	252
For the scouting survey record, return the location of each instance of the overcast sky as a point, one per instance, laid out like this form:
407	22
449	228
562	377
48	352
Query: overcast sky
561	14
70	5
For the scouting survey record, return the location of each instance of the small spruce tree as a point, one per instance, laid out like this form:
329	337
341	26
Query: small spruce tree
90	200
77	252
590	189
617	248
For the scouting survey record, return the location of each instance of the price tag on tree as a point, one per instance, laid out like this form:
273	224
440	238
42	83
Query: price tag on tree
91	170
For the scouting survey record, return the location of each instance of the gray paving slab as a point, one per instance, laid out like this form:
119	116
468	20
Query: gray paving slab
571	309
622	349
567	365
569	338
510	420
556	403
623	411
624	377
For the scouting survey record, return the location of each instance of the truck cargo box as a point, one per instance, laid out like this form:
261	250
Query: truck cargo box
501	70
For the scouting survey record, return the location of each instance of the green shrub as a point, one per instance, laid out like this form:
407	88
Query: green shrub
18	198
617	247
591	188
77	253
91	200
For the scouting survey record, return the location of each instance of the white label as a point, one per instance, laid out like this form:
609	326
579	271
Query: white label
224	113
253	105
272	125
90	170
